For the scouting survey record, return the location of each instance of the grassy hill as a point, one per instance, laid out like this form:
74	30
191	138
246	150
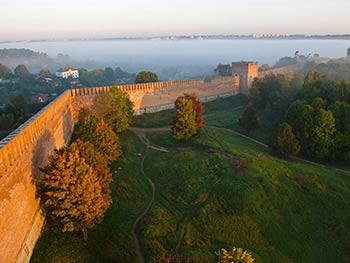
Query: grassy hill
282	211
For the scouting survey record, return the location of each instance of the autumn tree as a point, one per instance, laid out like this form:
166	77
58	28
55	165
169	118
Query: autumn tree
146	77
71	191
45	72
22	71
197	107
284	143
4	71
115	108
235	255
249	119
185	120
85	113
101	135
99	163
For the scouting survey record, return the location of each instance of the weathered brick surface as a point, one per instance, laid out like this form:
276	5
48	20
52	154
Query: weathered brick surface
21	156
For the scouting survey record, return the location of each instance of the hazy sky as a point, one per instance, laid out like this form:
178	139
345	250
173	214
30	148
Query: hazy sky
33	19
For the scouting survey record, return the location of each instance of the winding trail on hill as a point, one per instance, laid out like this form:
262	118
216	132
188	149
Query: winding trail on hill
235	161
145	211
141	133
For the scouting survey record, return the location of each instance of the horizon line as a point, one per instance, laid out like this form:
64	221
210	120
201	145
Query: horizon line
189	36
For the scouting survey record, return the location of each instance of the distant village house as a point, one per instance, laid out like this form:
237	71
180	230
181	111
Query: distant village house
67	72
41	98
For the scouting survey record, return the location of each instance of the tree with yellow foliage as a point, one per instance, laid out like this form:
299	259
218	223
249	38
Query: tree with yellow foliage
72	192
235	255
101	135
97	161
185	120
197	107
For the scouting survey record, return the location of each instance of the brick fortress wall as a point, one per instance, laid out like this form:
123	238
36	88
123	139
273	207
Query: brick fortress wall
157	96
22	154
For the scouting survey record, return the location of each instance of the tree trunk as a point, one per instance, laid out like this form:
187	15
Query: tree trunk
85	235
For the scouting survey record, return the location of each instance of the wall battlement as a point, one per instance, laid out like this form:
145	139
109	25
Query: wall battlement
27	149
156	96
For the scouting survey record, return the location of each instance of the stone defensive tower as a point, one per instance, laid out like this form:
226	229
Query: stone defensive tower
247	72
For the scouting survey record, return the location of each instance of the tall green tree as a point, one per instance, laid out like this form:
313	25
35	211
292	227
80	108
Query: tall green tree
249	118
115	108
342	91
6	121
18	106
301	117
109	75
322	134
316	85
319	103
185	120
145	77
341	113
341	146
283	143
